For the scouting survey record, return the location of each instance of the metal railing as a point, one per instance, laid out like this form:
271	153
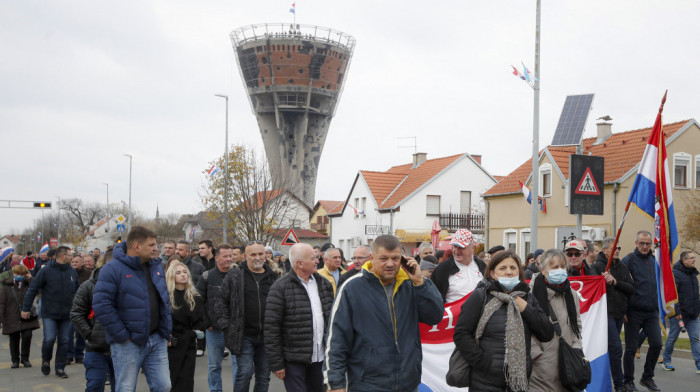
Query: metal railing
287	30
473	222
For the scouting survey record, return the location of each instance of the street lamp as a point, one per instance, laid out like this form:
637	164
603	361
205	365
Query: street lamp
108	217
130	162
535	137
225	171
59	221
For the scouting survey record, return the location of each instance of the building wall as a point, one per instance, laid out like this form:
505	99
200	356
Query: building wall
348	230
322	213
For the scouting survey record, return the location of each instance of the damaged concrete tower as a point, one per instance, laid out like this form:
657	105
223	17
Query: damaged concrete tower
294	75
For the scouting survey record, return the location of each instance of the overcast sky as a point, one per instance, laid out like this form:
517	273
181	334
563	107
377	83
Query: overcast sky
83	82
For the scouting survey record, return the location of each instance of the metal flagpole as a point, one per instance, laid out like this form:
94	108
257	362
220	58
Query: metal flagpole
535	138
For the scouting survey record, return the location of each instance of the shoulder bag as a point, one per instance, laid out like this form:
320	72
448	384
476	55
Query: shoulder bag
574	368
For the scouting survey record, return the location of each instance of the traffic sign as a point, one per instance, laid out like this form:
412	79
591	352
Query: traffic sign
121	228
120	218
586	176
291	238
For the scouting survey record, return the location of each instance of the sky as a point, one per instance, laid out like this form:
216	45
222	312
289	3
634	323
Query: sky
84	82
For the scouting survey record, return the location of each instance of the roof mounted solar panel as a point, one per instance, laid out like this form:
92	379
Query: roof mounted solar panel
572	121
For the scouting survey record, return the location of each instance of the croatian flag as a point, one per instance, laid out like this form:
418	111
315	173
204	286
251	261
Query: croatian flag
653	196
213	170
528	196
293	9
438	342
44	248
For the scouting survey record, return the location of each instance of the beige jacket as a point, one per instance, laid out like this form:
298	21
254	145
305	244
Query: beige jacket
326	273
545	356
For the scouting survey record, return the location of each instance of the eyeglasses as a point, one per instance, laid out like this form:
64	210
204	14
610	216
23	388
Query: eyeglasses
644	243
619	248
253	242
573	254
357	258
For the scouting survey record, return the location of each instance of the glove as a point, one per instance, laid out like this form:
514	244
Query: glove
200	334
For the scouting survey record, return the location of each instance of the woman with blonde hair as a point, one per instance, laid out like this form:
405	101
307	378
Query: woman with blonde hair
187	308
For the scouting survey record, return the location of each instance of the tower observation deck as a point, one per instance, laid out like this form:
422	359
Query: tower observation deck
294	78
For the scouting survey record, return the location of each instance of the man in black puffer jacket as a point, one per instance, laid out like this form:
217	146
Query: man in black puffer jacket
98	359
296	316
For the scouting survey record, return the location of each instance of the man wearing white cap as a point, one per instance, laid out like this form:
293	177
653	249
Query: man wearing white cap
574	259
459	275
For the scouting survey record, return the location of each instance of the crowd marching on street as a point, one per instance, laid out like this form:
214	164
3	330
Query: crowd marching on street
319	322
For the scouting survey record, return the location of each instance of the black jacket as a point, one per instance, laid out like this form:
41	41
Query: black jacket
441	274
687	285
58	284
228	305
587	270
531	270
643	271
196	270
617	295
206	264
289	322
208	288
84	319
344	277
487	356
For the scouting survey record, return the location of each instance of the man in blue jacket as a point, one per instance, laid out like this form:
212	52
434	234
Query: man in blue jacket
687	309
642	312
132	303
57	282
374	340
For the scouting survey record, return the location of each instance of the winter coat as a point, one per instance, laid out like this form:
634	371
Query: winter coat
367	348
208	288
487	356
121	300
687	285
545	356
84	275
441	274
9	308
84	319
289	330
57	283
344	277
196	269
206	264
531	270
229	305
643	271
617	295
326	273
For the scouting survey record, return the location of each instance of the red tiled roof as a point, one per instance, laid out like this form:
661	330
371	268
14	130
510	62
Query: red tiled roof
498	178
301	233
329	205
622	151
393	185
337	209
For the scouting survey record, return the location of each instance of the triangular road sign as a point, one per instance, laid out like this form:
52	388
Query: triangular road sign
290	238
587	186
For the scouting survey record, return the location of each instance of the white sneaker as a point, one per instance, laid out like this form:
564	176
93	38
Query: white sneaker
200	353
226	354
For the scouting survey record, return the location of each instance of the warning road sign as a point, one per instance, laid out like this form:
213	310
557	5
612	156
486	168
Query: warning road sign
291	238
587	186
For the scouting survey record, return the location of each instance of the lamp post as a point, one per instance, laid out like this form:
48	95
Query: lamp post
225	214
130	165
59	221
108	215
534	205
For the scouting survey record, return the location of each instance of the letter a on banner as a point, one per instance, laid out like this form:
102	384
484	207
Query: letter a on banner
291	238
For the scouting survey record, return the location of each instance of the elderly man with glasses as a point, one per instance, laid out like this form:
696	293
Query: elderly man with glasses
643	312
359	258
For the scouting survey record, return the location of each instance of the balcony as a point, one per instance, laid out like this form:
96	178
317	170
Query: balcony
474	222
319	227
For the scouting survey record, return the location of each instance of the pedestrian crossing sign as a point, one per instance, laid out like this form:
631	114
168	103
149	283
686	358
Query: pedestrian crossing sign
587	185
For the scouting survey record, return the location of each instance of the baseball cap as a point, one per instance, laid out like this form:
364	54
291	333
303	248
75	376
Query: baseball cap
538	252
426	265
462	238
575	244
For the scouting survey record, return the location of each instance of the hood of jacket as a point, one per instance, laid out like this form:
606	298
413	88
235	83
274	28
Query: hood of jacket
682	268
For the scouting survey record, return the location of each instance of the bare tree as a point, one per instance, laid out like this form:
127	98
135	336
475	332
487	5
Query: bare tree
83	214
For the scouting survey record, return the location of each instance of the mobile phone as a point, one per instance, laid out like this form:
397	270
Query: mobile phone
404	263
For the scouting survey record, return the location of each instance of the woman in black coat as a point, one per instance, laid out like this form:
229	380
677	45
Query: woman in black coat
494	328
187	308
11	300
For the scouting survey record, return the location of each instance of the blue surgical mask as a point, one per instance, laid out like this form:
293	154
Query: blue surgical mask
508	283
19	278
557	276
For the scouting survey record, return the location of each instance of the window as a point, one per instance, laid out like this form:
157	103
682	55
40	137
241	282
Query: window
363	204
524	244
681	170
465	202
432	205
545	180
357	206
509	239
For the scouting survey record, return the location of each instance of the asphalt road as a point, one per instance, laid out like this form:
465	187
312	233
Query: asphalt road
25	380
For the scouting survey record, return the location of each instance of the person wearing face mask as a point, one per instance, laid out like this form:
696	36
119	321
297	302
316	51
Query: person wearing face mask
11	299
554	293
494	330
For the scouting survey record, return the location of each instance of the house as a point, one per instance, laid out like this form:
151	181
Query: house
509	213
195	226
9	240
407	199
319	221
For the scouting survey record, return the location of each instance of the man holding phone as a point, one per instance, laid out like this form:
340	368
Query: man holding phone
378	311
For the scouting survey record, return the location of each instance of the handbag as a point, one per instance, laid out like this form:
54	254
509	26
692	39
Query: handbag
574	368
458	371
33	314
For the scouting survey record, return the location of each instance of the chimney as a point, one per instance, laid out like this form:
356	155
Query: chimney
477	158
418	159
604	132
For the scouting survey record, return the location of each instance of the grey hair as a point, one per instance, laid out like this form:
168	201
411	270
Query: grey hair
297	253
328	251
607	241
369	250
423	245
642	232
549	256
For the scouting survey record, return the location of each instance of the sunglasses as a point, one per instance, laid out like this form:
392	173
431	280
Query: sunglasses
573	254
253	242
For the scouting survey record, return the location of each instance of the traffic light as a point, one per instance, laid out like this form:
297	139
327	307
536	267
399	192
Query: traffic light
42	204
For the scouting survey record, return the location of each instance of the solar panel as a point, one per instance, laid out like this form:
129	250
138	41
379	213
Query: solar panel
572	120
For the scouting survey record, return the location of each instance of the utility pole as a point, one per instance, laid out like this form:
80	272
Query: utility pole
534	205
225	213
130	165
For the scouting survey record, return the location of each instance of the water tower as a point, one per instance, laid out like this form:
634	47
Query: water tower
294	75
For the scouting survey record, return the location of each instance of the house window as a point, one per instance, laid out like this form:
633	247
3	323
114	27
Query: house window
357	207
509	239
525	244
363	204
432	205
545	180
681	170
465	202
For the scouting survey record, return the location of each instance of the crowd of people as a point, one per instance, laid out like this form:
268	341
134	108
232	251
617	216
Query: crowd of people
320	322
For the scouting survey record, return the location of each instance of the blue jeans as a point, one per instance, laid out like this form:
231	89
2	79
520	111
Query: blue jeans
253	359
649	323
55	329
215	353
693	327
76	345
615	351
97	367
128	358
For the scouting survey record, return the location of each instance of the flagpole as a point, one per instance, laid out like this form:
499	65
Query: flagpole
535	136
